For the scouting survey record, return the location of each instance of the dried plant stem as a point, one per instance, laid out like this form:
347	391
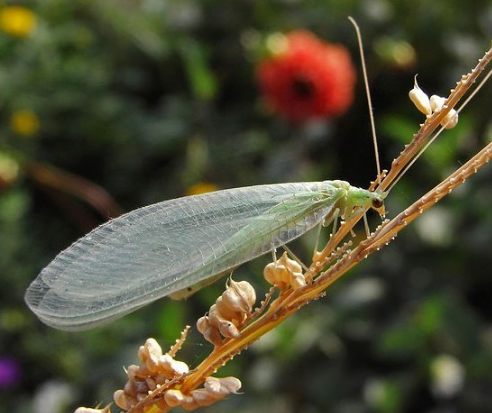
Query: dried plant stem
336	255
290	301
398	165
433	122
293	301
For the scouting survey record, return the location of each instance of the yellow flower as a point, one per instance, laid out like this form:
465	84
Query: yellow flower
17	21
24	122
201	188
9	170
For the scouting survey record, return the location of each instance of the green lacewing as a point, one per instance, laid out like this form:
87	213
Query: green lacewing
174	247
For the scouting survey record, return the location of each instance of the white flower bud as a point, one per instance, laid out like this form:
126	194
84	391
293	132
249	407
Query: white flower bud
450	120
420	99
437	102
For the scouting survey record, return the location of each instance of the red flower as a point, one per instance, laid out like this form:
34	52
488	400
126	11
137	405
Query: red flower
309	79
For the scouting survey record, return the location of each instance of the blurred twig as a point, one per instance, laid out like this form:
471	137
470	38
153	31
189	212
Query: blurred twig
290	301
54	178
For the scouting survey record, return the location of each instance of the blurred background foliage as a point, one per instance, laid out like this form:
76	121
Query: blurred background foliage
109	105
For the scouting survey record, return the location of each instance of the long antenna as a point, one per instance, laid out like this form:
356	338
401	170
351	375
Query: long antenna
368	93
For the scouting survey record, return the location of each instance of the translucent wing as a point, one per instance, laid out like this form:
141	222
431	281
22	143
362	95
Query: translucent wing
166	247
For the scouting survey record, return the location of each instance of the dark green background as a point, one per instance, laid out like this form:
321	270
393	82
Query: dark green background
147	98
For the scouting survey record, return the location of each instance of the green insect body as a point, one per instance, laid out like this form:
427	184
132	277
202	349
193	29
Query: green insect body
175	247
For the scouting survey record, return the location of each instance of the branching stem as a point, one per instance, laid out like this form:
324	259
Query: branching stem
288	303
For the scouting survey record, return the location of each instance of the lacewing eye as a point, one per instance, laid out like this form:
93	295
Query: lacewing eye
377	203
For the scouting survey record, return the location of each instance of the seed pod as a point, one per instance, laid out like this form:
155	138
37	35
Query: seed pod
140	387
150	354
284	273
156	369
215	389
202	397
229	312
209	332
226	327
123	401
221	387
190	405
130	388
437	102
224	310
156	362
239	297
133	372
420	99
174	398
450	120
172	367
89	410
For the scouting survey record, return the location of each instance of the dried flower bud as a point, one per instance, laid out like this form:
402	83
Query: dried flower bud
239	297
221	387
130	388
89	410
155	362
209	332
202	397
225	326
141	386
224	310
185	402
123	401
133	372
420	99
214	389
450	120
173	367
150	353
156	369
437	102
174	398
189	405
229	312
284	273
228	329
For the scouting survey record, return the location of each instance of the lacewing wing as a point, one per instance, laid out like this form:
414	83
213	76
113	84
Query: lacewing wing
173	247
